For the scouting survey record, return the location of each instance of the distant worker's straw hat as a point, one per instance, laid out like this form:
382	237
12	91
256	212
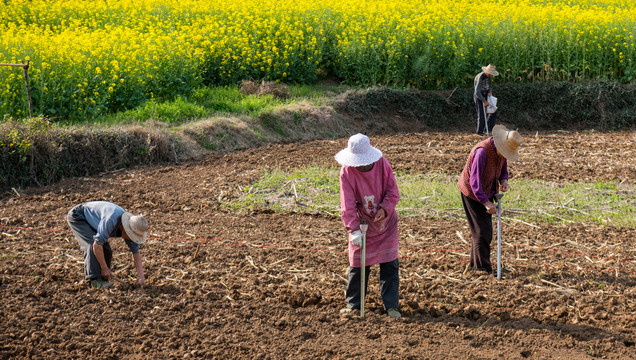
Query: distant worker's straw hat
359	152
507	142
490	69
136	226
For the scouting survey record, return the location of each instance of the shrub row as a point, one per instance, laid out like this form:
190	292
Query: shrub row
599	105
35	152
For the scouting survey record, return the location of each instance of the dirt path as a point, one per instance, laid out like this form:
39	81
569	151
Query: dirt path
261	285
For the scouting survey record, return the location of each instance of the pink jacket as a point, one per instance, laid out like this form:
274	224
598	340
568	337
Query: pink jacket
362	194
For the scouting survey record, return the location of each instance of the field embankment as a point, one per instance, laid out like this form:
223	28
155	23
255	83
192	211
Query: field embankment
39	152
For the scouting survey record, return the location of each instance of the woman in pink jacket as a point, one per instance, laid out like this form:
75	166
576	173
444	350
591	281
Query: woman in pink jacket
368	194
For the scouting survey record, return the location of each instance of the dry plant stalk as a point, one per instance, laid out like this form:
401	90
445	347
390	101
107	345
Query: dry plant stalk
196	252
461	237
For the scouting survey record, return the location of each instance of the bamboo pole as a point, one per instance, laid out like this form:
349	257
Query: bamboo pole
16	65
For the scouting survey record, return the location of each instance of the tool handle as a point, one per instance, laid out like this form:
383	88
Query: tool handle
363	268
498	196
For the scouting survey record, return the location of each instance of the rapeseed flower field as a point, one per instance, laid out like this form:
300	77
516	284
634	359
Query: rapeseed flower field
88	58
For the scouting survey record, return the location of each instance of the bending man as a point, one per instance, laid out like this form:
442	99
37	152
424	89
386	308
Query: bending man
93	224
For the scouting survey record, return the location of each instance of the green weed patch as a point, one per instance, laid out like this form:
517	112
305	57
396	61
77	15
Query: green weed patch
317	190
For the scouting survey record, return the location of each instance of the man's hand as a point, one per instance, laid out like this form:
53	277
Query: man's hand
381	214
491	208
140	268
504	186
106	274
356	238
486	104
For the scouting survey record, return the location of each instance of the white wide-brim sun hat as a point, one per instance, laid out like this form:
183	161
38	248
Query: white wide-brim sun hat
359	152
136	227
507	142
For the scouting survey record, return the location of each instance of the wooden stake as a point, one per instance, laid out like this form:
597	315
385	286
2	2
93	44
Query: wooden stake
28	88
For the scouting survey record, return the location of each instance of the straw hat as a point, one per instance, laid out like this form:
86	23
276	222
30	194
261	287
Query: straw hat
490	69
136	226
507	142
359	152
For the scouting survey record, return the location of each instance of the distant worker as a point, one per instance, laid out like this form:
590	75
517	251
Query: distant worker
93	224
485	173
368	194
485	103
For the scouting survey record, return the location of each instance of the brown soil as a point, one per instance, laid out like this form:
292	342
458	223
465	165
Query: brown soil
261	285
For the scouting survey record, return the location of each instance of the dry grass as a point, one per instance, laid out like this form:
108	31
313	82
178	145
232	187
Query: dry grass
248	87
277	90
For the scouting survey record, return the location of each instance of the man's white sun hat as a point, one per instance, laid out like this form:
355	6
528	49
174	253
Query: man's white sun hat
136	226
507	142
490	69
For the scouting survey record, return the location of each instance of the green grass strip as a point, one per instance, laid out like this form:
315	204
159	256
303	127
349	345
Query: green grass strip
214	101
317	189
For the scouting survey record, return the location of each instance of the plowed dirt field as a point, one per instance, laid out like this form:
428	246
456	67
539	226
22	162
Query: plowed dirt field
262	285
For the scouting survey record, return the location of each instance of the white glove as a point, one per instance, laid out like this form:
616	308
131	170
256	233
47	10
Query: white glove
356	238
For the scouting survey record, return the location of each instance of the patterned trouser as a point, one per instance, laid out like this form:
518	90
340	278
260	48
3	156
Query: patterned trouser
485	122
